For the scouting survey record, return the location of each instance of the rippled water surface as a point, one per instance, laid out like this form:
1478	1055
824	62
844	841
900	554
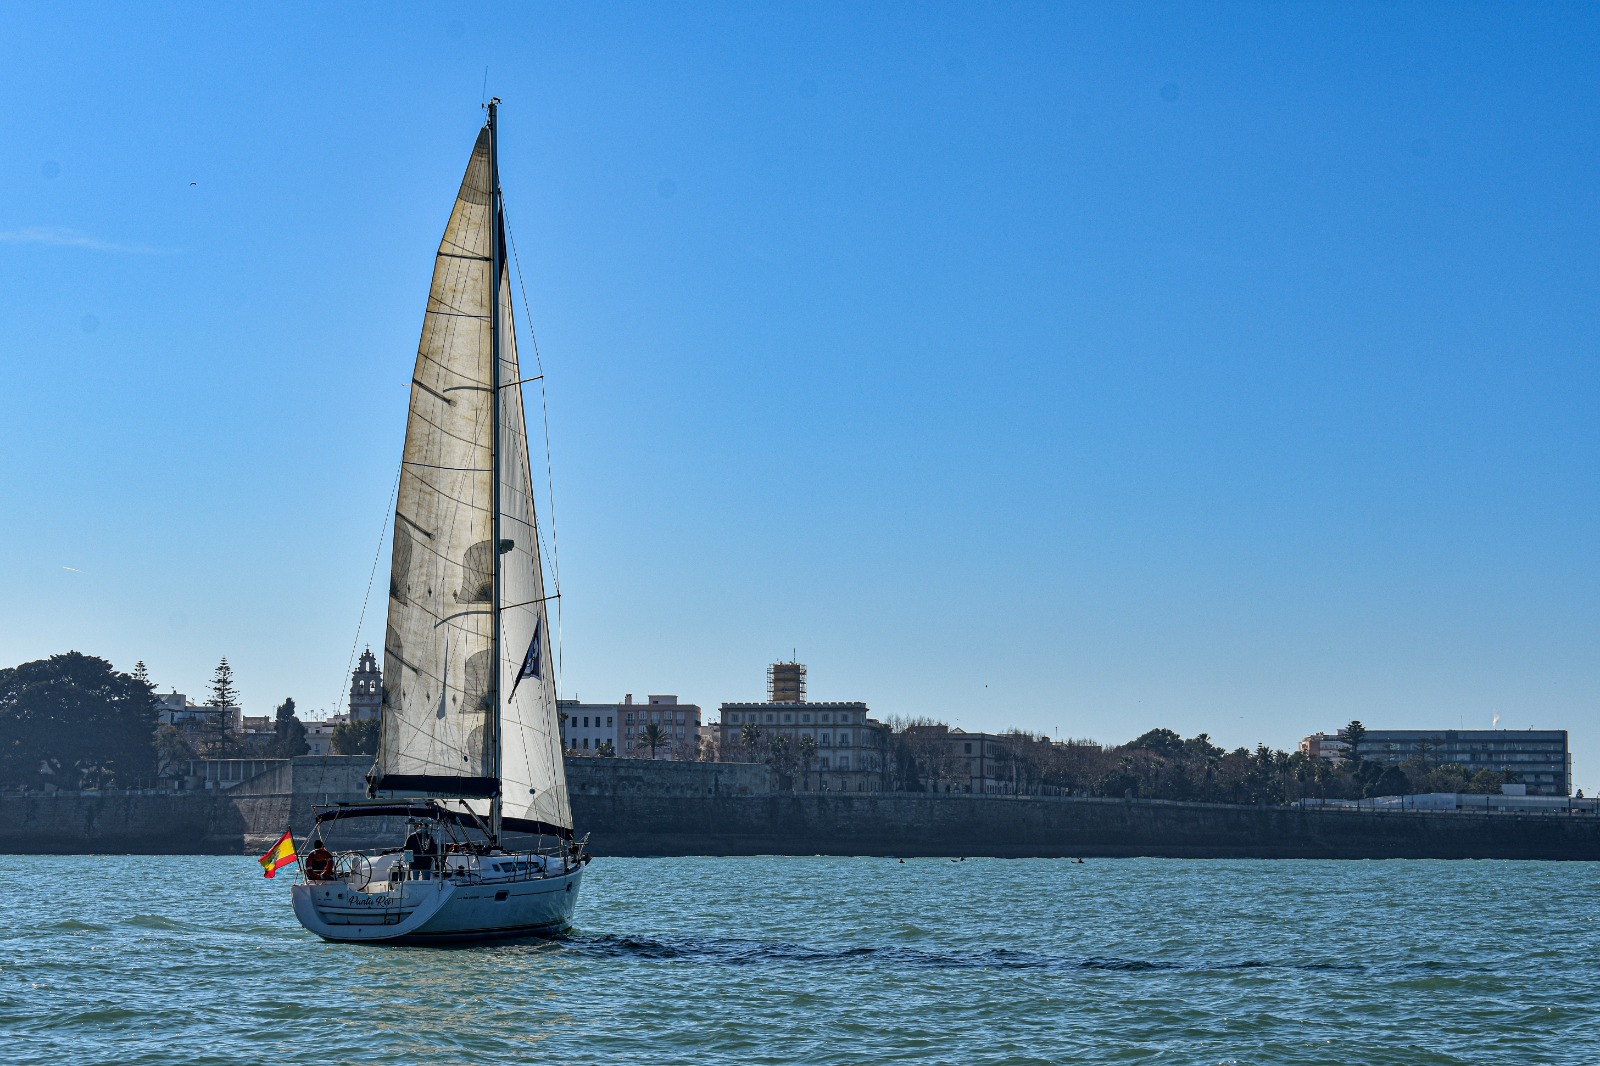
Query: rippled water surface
775	960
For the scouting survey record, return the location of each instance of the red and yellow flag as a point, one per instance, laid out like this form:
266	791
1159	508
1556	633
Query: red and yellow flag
279	855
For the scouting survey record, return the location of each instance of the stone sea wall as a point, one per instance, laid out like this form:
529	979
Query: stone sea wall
918	824
632	807
128	823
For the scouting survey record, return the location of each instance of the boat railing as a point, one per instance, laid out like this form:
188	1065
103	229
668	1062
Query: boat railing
356	868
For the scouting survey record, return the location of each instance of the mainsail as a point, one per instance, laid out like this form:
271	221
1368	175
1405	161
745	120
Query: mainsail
469	705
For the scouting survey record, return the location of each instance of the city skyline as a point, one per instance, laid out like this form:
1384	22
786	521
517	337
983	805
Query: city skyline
1087	372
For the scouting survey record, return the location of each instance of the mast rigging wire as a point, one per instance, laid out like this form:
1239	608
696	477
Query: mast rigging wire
376	555
549	472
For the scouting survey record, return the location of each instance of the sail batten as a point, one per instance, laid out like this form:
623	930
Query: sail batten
462	717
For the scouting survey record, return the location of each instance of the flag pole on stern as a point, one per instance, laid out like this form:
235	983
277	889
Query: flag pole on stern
278	856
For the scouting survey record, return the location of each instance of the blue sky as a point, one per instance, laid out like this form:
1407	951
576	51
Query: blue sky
1229	368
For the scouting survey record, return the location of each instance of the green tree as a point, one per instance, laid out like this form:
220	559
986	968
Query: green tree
1490	780
141	674
653	737
1390	781
606	750
781	757
224	693
72	720
216	739
1352	735
750	736
806	752
1160	741
356	738
289	733
172	748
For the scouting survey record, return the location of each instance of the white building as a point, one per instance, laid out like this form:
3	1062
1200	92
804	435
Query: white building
677	728
587	727
179	711
319	734
851	748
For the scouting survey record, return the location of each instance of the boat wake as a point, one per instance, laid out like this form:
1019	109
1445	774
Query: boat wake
735	952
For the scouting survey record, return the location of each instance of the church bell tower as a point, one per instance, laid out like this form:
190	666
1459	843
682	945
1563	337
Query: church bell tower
366	689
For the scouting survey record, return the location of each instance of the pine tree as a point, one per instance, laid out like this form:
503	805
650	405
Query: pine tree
218	740
223	692
140	674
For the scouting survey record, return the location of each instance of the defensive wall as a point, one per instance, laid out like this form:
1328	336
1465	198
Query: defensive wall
634	807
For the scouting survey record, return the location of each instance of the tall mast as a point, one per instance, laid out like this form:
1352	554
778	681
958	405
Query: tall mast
495	255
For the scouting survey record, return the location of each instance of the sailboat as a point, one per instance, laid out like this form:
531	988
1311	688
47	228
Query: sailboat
468	774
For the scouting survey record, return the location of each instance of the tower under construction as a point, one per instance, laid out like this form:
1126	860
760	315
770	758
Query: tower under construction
786	682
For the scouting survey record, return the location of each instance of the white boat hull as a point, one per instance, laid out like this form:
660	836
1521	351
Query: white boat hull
441	910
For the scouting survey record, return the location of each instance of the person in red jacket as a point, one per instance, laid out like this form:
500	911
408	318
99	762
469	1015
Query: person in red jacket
319	865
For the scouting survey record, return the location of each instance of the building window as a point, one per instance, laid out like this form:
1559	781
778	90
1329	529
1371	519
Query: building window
788	718
608	721
969	749
805	717
826	718
733	716
823	738
585	743
769	719
630	717
844	762
844	738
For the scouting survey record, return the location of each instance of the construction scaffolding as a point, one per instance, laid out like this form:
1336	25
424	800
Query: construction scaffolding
786	682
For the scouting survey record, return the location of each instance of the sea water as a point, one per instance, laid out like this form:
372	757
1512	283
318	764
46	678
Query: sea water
826	960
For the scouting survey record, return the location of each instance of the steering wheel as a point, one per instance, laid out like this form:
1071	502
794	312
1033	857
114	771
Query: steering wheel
352	867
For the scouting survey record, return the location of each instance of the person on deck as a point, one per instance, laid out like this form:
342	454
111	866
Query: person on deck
319	864
422	847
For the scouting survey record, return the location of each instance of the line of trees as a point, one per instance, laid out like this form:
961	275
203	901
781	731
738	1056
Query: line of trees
74	721
1161	764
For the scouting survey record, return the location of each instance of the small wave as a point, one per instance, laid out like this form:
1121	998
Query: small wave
67	925
152	921
1130	965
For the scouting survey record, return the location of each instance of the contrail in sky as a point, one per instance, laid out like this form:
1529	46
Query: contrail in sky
67	238
74	569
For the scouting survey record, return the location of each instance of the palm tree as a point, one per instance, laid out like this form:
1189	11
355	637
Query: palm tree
652	736
780	756
807	749
750	736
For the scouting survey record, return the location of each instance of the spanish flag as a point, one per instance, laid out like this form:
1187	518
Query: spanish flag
279	855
